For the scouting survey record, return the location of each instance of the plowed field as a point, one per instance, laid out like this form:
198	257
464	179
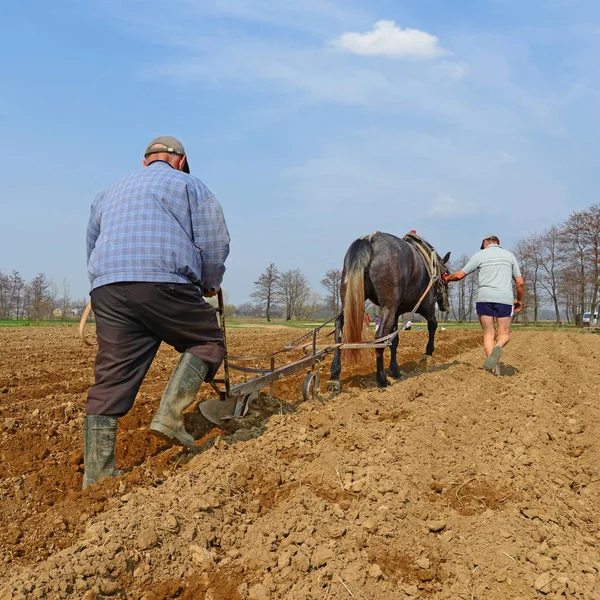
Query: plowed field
450	484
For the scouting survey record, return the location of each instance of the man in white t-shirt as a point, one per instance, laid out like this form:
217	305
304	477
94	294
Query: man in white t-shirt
497	268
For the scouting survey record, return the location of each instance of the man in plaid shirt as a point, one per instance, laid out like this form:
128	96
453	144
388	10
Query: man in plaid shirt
156	243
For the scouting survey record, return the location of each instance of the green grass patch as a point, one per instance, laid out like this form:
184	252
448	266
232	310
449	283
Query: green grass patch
24	323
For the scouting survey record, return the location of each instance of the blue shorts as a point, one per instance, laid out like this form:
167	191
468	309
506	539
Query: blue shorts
494	309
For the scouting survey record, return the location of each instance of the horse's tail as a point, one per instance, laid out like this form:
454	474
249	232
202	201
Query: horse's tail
356	262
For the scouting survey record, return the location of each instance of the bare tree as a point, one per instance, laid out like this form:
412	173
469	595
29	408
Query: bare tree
4	296
591	238
576	254
569	292
331	282
551	265
527	253
64	301
17	291
462	293
293	292
311	305
54	296
265	289
39	298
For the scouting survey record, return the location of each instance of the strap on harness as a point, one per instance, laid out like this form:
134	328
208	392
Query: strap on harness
433	263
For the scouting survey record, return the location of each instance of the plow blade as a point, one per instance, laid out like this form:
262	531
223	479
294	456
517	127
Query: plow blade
221	411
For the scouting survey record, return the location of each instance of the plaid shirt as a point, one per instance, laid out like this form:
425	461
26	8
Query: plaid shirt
157	224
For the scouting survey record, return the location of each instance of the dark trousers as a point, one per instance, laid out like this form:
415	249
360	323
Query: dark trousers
132	319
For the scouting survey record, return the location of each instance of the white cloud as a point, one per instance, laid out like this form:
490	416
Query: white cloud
387	39
445	204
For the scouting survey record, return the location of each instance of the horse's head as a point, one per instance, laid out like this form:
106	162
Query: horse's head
441	291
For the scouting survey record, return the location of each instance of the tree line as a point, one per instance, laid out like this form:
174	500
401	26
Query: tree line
36	300
561	267
287	294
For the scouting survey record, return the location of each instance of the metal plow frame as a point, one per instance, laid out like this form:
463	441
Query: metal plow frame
234	401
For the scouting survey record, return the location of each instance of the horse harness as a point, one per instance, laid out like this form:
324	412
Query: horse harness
433	264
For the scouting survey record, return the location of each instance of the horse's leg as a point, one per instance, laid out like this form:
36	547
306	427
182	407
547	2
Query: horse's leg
431	329
336	366
388	321
394	369
381	378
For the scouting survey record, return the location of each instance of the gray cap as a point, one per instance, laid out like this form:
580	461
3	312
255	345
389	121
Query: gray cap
167	143
490	236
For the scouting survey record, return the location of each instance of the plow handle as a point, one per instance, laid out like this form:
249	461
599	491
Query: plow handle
221	311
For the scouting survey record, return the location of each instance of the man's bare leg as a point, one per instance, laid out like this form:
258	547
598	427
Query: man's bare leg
489	333
503	336
493	348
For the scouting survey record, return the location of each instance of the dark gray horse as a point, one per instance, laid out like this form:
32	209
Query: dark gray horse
393	274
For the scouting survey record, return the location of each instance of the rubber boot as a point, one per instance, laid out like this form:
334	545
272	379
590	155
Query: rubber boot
179	394
99	438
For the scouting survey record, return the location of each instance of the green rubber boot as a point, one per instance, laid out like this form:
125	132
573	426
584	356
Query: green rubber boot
99	438
179	394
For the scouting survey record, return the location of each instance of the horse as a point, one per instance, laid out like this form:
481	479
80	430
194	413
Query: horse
393	273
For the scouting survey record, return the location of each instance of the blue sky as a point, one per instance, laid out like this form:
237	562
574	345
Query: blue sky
313	122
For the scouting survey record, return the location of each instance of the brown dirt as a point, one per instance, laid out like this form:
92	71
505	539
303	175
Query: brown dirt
451	484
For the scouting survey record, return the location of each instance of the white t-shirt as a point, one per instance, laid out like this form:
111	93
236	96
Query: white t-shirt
497	267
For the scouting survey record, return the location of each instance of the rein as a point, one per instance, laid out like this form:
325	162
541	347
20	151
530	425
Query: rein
82	321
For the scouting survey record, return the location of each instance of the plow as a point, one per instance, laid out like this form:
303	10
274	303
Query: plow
233	401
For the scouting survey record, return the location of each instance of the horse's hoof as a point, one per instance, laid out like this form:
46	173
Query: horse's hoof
399	375
383	384
334	386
